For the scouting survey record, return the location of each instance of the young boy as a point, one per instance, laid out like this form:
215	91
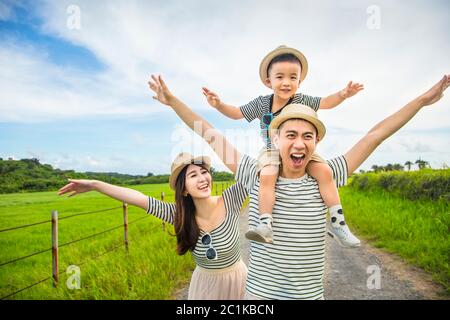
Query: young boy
282	70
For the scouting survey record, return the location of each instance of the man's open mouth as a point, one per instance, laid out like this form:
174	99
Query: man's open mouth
297	158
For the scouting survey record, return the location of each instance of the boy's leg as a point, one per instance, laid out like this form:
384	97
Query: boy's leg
268	167
328	190
263	231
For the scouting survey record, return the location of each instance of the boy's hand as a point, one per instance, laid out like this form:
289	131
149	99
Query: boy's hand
212	98
159	87
351	90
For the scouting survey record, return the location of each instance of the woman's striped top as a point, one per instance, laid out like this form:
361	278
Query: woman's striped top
292	267
225	237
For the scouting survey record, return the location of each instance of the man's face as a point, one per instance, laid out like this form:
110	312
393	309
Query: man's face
284	79
296	141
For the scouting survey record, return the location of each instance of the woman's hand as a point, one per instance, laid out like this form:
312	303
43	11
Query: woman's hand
77	186
159	87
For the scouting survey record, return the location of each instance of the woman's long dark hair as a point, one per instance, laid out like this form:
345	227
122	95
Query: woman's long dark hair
186	228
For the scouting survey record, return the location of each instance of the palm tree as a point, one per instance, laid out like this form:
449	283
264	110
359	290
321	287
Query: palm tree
409	164
422	164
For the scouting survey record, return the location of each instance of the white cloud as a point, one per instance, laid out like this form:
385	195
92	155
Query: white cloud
220	45
33	89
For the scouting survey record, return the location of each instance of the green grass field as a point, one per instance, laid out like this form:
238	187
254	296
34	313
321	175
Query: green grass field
418	231
151	269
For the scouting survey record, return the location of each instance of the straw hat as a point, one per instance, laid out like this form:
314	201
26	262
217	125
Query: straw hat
182	160
264	66
299	111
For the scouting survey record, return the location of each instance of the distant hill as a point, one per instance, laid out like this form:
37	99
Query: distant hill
27	175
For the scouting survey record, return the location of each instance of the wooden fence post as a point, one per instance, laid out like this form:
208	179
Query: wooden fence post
55	260
163	223
125	224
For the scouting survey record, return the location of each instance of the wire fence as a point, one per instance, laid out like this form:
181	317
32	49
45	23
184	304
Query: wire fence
55	248
61	218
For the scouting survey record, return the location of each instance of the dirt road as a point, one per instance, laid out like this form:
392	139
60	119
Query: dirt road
364	273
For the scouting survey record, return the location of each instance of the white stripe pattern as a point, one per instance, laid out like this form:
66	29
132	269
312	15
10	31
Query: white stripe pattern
292	267
225	237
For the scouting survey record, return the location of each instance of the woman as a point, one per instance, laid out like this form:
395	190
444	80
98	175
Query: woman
205	225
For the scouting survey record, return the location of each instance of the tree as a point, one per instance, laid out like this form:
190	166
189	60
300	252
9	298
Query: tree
376	168
409	164
422	164
150	174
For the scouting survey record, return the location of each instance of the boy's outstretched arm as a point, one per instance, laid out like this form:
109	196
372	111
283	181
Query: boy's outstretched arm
226	152
228	110
387	127
337	98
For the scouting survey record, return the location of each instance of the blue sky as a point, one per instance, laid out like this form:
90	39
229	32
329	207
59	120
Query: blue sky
77	98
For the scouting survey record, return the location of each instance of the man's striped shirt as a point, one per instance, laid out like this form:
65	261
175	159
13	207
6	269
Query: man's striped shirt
293	266
225	237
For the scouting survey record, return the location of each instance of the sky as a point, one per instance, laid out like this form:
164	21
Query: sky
73	75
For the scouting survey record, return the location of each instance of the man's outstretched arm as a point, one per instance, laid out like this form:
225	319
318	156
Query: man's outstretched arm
387	127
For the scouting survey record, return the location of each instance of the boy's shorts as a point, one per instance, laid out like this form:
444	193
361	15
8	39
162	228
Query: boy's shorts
271	157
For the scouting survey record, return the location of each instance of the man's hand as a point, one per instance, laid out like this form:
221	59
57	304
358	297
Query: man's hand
159	87
212	98
436	92
351	90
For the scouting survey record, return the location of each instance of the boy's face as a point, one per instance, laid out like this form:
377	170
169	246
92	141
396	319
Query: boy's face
284	79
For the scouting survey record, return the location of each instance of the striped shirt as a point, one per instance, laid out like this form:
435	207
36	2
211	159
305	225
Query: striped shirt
262	105
292	267
225	237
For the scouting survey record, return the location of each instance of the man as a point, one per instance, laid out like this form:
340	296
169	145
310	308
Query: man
296	259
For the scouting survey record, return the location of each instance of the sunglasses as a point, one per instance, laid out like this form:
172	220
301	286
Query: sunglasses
211	253
267	119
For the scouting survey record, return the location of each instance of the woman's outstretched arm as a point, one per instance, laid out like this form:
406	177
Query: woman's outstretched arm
226	152
384	129
126	195
162	210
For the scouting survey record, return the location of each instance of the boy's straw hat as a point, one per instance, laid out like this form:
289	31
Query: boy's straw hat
263	67
298	111
182	160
